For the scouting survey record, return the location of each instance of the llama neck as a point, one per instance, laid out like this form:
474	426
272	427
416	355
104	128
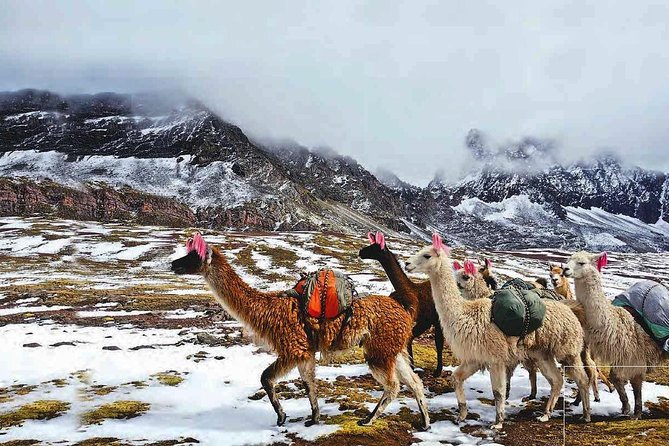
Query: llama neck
563	289
479	289
231	291
395	272
596	305
447	298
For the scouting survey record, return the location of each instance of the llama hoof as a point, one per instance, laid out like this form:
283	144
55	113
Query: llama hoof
626	411
528	398
576	403
364	422
496	427
584	419
544	418
310	423
597	400
424	428
436	374
636	416
281	419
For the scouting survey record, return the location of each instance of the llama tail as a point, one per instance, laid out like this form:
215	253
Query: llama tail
408	299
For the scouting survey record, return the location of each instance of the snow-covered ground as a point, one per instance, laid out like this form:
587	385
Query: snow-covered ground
90	314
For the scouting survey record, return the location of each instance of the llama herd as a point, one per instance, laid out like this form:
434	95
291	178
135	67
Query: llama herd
456	302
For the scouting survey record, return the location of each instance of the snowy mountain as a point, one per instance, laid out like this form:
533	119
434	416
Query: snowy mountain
172	148
177	148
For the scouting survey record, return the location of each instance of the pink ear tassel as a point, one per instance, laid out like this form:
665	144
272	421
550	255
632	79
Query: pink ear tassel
438	244
199	245
380	239
470	268
456	265
602	261
370	236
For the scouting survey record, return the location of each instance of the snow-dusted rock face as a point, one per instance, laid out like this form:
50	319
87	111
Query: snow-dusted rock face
177	148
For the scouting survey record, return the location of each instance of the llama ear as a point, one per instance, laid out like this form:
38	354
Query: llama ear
470	268
456	265
370	236
488	263
381	240
602	261
200	246
438	244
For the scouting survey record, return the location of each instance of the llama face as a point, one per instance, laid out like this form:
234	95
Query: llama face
582	263
556	274
188	264
375	250
425	261
465	281
196	260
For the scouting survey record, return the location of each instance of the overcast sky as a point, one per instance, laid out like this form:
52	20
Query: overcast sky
394	84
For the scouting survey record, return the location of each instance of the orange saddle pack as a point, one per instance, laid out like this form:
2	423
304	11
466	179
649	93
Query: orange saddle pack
325	293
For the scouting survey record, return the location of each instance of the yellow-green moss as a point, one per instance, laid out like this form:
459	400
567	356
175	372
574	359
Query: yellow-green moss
123	409
350	356
169	378
652	432
37	410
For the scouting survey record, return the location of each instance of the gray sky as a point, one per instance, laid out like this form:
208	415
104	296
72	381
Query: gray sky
393	84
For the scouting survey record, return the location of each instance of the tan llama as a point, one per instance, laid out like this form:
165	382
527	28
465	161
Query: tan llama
611	332
380	324
562	287
473	286
477	342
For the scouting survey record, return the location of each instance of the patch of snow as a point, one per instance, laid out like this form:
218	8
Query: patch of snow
197	186
19	310
103	313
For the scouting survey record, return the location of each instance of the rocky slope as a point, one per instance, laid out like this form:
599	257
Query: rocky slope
178	148
519	195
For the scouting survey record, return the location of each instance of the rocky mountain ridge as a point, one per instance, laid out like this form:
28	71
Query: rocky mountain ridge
518	196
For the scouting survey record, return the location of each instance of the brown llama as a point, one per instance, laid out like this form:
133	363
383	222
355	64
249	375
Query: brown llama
426	316
380	324
611	332
562	287
477	342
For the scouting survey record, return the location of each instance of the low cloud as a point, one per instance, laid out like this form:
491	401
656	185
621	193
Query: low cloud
396	86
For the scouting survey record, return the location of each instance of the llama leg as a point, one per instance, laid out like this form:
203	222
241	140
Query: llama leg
385	375
551	372
531	367
410	351
268	380
498	381
418	329
439	344
619	384
307	371
591	370
407	377
464	371
605	380
577	371
510	369
637	382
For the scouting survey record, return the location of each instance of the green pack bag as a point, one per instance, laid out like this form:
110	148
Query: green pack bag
517	312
